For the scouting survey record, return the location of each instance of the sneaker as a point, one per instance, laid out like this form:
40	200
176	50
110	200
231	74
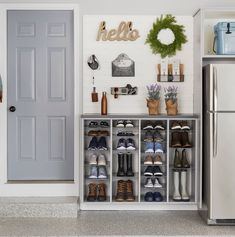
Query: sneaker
129	124
157	197
102	144
121	144
124	133
93	124
175	125
102	173
148	171
104	124
120	124
184	125
130	144
93	145
158	147
149	147
148	137
93	172
149	183
159	125
157	160
157	137
101	160
149	126
148	160
93	159
157	171
157	184
148	197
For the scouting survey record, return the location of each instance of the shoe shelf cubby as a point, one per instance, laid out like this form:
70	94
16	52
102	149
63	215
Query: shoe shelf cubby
139	162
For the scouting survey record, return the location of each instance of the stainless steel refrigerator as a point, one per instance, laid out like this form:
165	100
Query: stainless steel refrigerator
219	143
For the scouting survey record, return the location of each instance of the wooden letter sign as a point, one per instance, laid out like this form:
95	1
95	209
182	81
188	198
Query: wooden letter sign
124	32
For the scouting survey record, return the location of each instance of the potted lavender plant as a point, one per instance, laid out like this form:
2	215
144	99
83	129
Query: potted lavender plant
153	100
171	100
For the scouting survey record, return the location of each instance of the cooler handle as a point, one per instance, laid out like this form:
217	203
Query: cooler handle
214	44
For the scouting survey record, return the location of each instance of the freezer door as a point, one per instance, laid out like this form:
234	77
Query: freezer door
222	87
222	166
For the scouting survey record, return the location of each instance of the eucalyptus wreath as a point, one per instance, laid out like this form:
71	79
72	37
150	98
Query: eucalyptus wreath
167	22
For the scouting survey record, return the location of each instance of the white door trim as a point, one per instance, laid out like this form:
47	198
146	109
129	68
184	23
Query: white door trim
37	189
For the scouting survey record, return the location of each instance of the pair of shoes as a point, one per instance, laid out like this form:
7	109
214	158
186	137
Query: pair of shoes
152	183
180	186
96	192
150	126
98	145
153	171
123	133
94	160
153	197
126	144
153	147
125	191
98	133
153	137
180	139
95	124
150	160
181	162
121	171
183	125
98	172
124	124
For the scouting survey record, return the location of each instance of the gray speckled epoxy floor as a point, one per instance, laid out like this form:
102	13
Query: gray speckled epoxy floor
119	223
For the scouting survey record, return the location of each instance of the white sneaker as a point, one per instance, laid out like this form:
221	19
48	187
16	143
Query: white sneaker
101	160
149	183
93	159
157	184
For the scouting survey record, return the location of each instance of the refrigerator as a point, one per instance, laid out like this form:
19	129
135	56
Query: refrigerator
219	143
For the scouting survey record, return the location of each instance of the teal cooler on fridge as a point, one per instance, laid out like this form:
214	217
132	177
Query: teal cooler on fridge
224	40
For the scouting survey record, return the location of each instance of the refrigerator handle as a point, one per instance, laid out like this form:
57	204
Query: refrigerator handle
215	134
214	89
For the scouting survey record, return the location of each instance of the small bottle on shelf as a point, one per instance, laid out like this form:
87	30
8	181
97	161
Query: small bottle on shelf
104	104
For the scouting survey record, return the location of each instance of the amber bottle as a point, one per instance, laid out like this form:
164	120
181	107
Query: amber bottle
104	104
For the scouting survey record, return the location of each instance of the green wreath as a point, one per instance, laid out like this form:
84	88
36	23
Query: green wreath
167	22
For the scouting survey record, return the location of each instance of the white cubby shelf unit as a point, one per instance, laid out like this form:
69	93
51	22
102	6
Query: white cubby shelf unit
138	156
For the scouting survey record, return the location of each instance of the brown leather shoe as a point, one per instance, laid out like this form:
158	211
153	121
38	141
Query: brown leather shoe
175	139
92	193
93	133
104	133
129	191
121	191
185	140
101	192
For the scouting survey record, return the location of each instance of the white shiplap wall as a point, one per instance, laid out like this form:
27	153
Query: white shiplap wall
145	65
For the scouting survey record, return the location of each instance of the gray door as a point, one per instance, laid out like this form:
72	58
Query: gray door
40	95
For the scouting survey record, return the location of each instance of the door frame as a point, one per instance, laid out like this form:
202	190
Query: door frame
37	188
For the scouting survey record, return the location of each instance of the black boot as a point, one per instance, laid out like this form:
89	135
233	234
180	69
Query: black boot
121	171
129	171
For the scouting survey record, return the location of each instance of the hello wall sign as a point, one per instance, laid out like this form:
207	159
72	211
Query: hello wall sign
124	32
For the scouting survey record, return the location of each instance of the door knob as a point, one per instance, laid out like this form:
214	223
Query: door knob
12	108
